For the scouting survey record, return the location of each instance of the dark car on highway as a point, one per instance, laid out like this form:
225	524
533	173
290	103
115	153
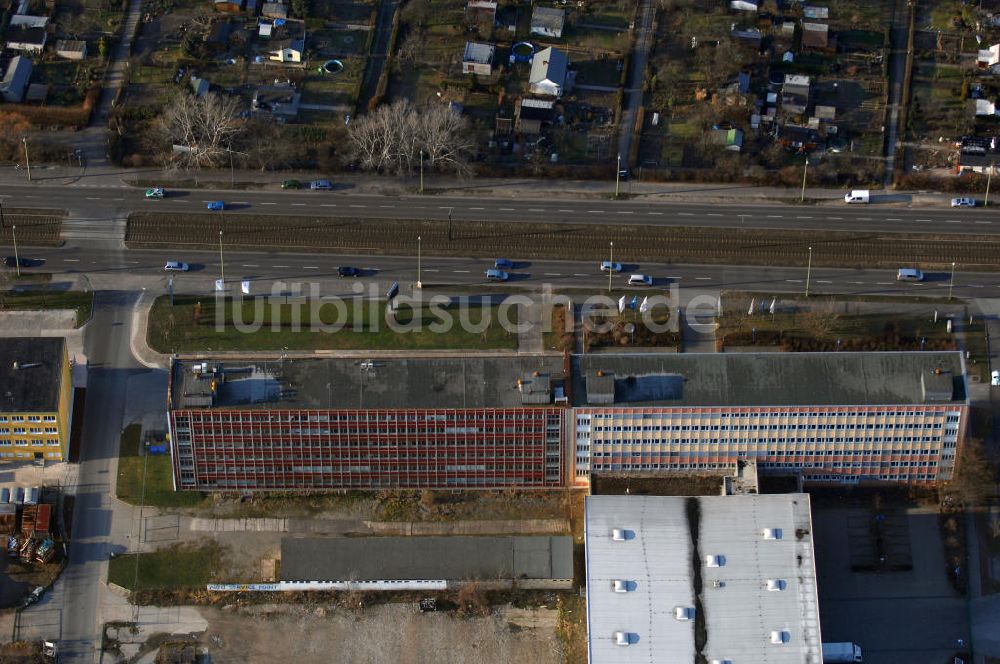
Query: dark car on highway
291	184
348	271
321	184
11	261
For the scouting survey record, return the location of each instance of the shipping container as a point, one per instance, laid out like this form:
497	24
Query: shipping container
43	519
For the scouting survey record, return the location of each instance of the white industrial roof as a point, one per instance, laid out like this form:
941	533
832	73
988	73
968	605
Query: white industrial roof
656	559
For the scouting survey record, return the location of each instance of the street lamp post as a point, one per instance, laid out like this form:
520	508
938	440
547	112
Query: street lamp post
449	223
611	265
986	201
805	169
17	261
618	175
951	284
421	171
222	262
809	270
419	285
27	160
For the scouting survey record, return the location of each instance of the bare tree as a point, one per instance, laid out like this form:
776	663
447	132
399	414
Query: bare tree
199	129
391	139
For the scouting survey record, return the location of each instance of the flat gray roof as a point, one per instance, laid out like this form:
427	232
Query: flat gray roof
737	610
774	379
426	558
467	381
33	386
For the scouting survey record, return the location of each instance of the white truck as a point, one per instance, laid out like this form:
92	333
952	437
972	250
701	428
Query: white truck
858	196
841	653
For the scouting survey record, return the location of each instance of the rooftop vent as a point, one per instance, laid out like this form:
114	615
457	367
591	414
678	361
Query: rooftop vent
623	638
17	366
781	636
772	533
619	535
684	613
715	561
622	586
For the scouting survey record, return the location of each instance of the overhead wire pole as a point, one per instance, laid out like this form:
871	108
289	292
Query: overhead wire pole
27	160
618	175
986	201
805	169
951	284
611	264
809	270
17	260
418	263
222	262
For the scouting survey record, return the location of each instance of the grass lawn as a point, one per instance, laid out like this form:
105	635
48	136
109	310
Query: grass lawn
29	300
159	476
191	325
174	567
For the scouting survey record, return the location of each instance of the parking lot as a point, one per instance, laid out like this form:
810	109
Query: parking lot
897	617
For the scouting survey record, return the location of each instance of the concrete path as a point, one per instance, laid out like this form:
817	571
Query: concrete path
897	71
530	340
140	329
636	77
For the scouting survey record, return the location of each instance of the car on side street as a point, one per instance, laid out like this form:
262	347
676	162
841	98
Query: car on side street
503	264
176	266
496	275
640	280
216	206
155	192
291	184
348	271
964	201
608	266
321	185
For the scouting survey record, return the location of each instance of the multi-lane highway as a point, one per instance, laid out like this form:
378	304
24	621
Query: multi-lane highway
144	268
106	203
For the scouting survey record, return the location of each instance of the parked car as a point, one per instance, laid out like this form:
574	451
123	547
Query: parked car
496	275
176	266
348	271
321	184
640	280
216	206
291	184
963	202
608	266
155	192
12	261
862	196
503	264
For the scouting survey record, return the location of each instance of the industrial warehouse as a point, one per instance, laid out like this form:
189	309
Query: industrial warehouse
544	421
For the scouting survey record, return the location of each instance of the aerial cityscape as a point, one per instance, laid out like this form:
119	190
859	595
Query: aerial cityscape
494	331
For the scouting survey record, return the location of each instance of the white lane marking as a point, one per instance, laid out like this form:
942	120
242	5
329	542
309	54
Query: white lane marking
279	266
835	218
563	210
259	203
801	217
357	206
952	221
714	214
328	205
883	283
387	206
552	274
430	270
984	222
119	199
461	271
241	203
821	281
310	267
685	214
774	216
857	283
893	219
625	212
794	281
703	278
536	209
477	208
578	274
299	204
596	211
864	218
676	278
974	286
445	207
506	209
89	198
71	260
250	265
655	213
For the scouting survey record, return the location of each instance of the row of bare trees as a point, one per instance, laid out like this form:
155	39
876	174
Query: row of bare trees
393	139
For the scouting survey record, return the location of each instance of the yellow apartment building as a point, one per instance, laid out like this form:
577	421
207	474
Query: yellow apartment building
36	399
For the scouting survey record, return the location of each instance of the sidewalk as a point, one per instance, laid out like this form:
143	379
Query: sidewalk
140	325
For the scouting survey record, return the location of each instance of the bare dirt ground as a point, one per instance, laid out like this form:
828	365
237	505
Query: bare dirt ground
391	633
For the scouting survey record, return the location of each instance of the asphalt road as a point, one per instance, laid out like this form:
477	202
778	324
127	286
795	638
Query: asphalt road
144	268
107	203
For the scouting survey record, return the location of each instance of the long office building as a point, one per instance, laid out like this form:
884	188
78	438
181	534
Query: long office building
544	421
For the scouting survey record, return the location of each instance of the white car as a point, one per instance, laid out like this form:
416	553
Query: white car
176	266
963	202
608	266
640	280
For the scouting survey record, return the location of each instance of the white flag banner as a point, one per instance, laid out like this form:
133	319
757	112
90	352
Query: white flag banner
621	304
644	307
220	285
245	287
753	300
774	304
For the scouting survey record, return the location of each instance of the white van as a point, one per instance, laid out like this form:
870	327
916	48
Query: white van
857	196
909	274
640	280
